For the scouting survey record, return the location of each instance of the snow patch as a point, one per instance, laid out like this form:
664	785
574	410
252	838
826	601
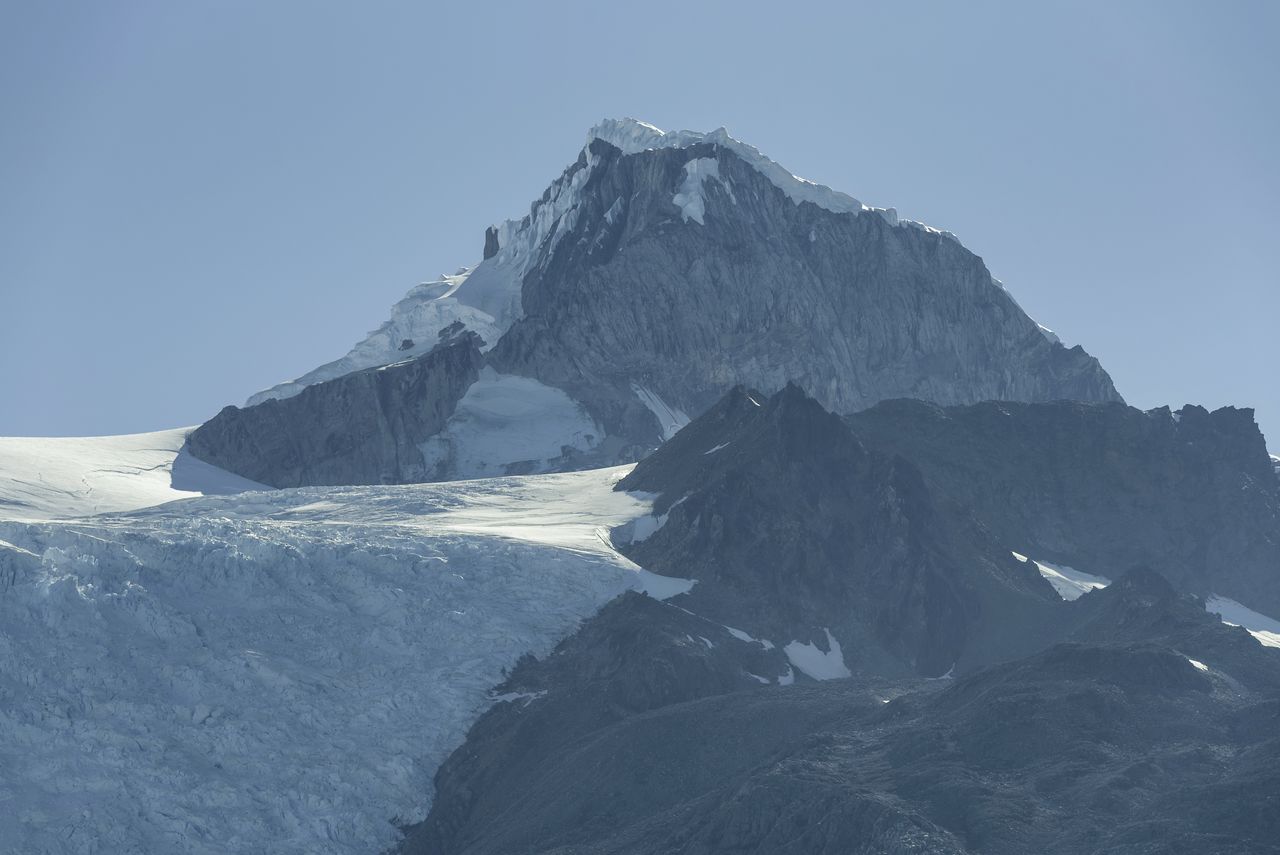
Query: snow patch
1071	584
633	136
717	448
815	663
506	419
288	666
1199	666
1265	629
742	636
689	198
43	478
670	419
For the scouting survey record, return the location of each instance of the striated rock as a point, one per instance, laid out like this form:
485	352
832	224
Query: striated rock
361	428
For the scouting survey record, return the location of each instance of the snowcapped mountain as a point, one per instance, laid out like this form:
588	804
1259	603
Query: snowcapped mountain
657	272
832	608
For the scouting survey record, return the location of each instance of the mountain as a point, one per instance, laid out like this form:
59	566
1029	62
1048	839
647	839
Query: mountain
1103	487
659	271
797	533
1143	726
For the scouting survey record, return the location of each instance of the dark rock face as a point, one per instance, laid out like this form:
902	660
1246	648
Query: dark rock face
1102	487
362	428
490	242
792	527
764	291
1115	741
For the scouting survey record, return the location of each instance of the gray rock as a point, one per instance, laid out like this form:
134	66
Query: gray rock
362	428
1102	487
764	291
794	528
1109	740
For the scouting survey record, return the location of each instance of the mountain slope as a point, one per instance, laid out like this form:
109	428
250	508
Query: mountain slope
1103	487
659	271
1148	728
799	534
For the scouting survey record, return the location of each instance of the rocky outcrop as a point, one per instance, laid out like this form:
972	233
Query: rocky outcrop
796	531
1102	487
1143	725
361	428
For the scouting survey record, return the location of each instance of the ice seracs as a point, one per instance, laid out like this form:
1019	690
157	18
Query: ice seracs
280	670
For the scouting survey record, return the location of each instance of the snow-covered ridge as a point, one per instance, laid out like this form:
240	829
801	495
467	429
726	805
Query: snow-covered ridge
55	477
412	330
632	136
280	670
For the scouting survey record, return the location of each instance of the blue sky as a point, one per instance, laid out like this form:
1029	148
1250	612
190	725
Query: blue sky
199	199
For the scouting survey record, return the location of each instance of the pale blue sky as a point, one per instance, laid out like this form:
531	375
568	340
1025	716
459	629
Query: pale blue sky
198	199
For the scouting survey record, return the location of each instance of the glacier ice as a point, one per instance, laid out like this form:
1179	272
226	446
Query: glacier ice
279	670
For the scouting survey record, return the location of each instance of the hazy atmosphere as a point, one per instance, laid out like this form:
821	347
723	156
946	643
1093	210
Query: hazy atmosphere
203	199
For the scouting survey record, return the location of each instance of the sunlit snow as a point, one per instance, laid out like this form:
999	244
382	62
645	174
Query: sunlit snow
1070	583
1261	627
816	663
55	477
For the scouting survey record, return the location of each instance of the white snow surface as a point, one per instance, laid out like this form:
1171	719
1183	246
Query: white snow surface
279	671
57	477
633	136
1071	584
689	198
1261	627
819	665
505	419
1275	462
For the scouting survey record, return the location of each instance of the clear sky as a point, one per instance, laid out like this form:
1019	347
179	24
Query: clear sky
199	199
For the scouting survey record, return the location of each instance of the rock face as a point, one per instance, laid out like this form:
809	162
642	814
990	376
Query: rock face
1102	487
798	534
661	270
687	270
1144	725
361	428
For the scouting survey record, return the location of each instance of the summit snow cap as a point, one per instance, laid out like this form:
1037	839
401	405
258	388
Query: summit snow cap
632	136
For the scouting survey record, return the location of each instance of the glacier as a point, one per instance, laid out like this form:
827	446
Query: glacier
280	670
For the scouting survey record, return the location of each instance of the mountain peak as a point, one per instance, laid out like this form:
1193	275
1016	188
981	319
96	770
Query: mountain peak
632	136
